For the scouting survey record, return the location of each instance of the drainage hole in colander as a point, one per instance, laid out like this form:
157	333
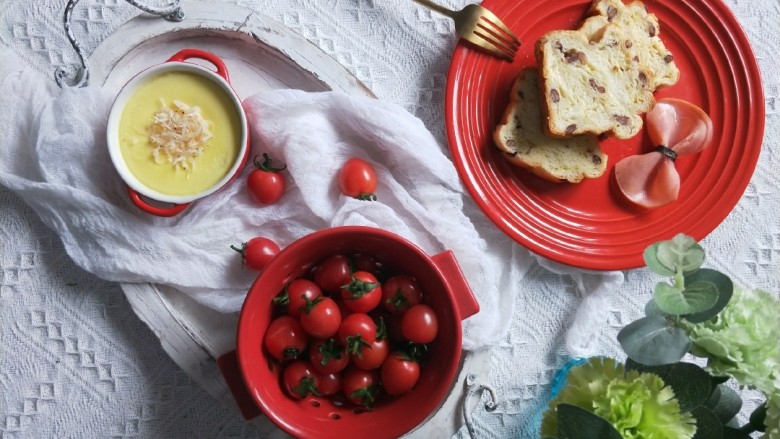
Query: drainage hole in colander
314	403
335	416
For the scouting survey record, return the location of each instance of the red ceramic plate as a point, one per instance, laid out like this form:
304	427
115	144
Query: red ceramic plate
588	225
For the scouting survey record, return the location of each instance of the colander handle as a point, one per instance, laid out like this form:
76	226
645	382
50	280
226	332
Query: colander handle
228	365
464	298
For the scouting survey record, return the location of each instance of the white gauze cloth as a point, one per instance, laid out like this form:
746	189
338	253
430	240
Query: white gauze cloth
54	156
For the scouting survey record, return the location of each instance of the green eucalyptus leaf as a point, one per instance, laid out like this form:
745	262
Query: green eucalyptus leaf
653	264
719	379
681	252
691	384
734	433
725	403
758	417
708	426
577	423
722	283
652	309
697	297
651	341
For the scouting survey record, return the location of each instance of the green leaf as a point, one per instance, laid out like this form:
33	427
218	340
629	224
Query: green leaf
725	403
722	283
708	426
577	423
691	384
651	341
758	417
697	297
653	264
652	309
681	252
734	433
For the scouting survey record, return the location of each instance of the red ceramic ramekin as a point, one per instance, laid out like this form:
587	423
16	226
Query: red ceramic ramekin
163	204
444	288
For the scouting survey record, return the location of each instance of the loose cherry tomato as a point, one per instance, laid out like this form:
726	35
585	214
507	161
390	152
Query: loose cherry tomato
399	373
300	380
363	293
330	384
419	324
321	317
357	330
327	356
257	252
285	338
265	182
357	179
333	273
360	386
401	292
295	294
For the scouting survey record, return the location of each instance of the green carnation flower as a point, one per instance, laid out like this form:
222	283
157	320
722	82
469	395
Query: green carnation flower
743	340
638	405
772	421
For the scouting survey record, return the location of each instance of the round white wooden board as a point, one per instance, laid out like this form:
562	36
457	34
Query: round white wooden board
260	54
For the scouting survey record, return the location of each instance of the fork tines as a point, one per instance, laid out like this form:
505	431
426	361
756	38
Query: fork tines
497	34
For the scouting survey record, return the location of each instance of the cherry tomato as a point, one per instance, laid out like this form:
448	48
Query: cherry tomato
327	356
401	292
321	317
365	262
295	294
333	273
360	386
372	356
265	182
357	179
300	380
363	293
399	373
419	324
285	338
257	252
357	330
330	384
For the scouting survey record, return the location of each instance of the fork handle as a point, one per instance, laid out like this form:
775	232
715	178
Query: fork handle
438	8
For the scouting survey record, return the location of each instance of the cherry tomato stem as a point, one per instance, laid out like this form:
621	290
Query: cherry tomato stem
267	164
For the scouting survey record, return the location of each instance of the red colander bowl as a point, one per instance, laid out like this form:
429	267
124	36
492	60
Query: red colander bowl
444	289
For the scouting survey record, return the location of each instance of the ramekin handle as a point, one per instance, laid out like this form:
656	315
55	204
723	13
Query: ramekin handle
174	210
186	54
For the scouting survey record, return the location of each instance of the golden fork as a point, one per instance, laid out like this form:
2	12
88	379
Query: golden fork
481	27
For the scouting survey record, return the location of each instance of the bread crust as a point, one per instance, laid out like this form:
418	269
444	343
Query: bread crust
644	32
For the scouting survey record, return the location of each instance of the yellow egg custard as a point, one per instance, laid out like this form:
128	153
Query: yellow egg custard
180	133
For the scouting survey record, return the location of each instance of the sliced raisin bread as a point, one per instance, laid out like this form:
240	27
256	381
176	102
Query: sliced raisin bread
592	87
521	137
642	32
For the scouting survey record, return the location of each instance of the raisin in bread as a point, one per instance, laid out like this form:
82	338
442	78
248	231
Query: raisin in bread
521	137
592	87
642	36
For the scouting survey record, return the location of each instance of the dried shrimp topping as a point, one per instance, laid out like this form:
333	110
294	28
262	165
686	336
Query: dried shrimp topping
179	133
